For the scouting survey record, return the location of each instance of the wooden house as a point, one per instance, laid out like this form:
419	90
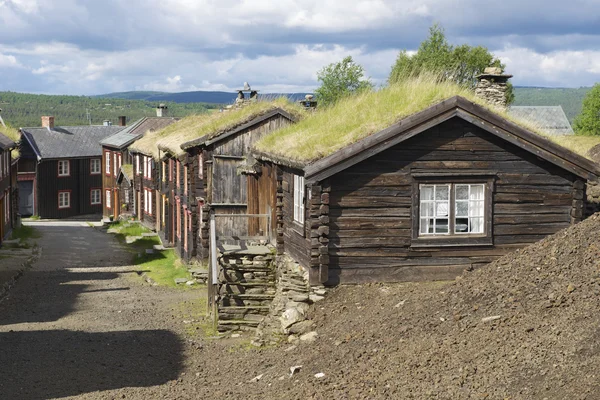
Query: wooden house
125	190
115	153
60	168
415	193
8	185
199	160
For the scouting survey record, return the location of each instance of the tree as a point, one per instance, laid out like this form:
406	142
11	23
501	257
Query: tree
458	63
339	80
588	122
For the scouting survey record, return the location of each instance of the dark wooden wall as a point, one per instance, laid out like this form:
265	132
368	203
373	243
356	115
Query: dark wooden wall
295	236
370	205
80	182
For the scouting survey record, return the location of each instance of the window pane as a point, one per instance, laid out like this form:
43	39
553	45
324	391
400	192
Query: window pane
462	208
476	225
426	209
441	209
476	192
441	192
462	192
476	208
426	192
461	225
441	226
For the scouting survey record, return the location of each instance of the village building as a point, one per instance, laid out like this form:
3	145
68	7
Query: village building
8	183
60	169
392	186
115	154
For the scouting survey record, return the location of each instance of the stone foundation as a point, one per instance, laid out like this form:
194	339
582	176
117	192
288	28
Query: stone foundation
592	191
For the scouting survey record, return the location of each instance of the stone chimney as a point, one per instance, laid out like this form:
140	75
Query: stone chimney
162	110
122	120
48	122
491	86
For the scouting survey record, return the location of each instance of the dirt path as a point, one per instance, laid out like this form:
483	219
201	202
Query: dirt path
82	322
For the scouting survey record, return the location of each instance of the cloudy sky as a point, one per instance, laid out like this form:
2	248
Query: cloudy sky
98	46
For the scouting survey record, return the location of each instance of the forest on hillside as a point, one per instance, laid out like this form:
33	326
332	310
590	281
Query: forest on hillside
570	99
25	110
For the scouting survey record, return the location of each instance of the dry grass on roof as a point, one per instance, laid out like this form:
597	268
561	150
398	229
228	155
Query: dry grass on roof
208	125
14	135
359	116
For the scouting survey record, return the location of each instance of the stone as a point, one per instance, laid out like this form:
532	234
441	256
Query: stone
180	281
149	234
110	230
315	298
300	298
302	327
571	288
248	275
158	247
290	317
489	319
320	292
309	337
319	375
190	283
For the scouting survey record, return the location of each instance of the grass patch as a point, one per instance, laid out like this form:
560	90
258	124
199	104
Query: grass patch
197	323
577	143
162	267
25	232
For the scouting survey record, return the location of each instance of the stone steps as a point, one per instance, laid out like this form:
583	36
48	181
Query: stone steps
237	325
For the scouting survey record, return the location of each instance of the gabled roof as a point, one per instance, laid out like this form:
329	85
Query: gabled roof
551	120
68	141
415	124
126	172
136	130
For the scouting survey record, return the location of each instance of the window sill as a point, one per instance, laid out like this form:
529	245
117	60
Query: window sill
297	228
433	242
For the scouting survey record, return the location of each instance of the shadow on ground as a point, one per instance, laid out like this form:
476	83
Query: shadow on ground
59	363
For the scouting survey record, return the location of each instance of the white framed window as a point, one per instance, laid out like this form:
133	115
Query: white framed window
108	199
185	179
63	168
115	164
95	166
119	163
107	162
145	200
137	164
299	199
452	209
148	174
200	166
95	197
64	199
150	194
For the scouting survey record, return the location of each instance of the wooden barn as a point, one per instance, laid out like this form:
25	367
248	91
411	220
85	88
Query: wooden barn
60	168
414	191
200	158
115	153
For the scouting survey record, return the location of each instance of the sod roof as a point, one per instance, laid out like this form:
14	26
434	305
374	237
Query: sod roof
204	127
357	117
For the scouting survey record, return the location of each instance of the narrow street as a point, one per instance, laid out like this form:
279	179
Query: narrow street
81	321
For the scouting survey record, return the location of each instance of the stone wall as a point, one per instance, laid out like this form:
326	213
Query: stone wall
246	287
592	204
289	312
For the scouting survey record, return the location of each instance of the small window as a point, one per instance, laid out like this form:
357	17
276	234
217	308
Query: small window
299	199
452	209
150	202
185	180
178	173
63	168
107	162
64	200
95	197
200	166
95	166
126	195
163	171
170	170
148	174
137	164
108	199
115	161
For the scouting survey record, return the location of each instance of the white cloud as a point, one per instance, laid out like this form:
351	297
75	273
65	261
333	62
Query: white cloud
9	61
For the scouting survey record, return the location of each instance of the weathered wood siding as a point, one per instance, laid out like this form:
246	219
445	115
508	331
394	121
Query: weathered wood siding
371	205
262	199
296	237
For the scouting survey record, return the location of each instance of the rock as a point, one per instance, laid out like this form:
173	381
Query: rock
190	283
248	275
301	327
315	298
290	317
110	230
293	347
319	375
294	369
400	303
489	319
235	335
292	339
309	337
320	292
180	281
571	288
256	378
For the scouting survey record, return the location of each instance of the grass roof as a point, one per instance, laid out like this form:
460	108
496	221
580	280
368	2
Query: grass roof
127	170
14	135
208	126
359	116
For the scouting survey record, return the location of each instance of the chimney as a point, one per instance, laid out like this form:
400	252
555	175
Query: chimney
122	120
48	122
491	86
308	103
107	122
162	110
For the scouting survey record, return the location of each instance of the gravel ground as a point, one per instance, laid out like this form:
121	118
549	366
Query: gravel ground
523	327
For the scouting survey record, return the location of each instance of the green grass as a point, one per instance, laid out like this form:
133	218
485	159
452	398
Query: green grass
25	232
199	323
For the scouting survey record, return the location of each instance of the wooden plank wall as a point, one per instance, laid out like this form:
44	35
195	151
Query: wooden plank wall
370	205
296	238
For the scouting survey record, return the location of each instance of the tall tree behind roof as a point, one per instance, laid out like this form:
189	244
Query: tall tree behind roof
339	80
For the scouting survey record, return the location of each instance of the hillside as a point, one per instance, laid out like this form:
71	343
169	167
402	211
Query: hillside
192	97
21	110
569	98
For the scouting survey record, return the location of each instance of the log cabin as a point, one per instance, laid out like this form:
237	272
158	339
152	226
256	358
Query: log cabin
115	153
60	169
418	181
8	182
199	159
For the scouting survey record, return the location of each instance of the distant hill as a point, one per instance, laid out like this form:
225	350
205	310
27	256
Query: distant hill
193	97
21	110
569	98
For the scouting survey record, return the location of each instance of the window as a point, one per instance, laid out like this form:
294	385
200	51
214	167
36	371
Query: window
95	197
451	209
148	201
118	164
64	199
115	164
299	199
200	166
137	164
185	180
126	195
163	171
95	166
170	170
63	168
107	162
178	173
108	199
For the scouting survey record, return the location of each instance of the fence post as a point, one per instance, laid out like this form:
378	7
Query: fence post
213	268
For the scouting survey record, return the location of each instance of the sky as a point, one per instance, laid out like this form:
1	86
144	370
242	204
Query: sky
87	47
